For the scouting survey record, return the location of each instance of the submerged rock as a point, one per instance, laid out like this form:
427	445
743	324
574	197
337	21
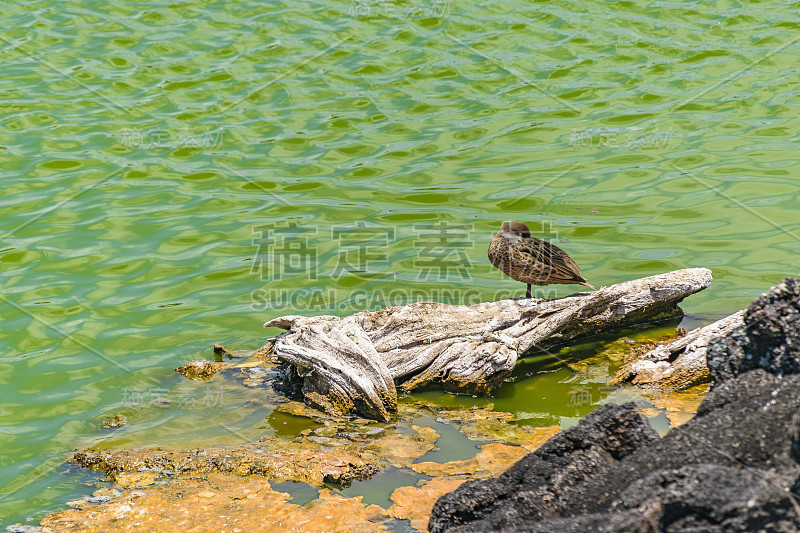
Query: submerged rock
734	467
415	503
220	350
218	502
115	421
200	370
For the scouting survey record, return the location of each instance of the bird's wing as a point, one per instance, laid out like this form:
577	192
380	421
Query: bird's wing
550	259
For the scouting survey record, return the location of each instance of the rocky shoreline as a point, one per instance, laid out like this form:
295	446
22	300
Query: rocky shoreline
734	467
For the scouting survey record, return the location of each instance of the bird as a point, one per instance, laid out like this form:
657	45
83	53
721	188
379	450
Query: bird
531	260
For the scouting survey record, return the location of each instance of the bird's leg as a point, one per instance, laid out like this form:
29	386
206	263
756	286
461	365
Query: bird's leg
528	294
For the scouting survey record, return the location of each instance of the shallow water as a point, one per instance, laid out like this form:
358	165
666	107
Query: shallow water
176	174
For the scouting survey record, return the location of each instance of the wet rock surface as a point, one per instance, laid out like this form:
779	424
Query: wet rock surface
200	370
271	457
733	467
534	488
114	421
730	466
218	502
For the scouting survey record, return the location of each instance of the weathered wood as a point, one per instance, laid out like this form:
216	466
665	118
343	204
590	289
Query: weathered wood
682	363
353	362
340	368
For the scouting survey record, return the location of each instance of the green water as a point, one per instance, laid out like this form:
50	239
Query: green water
175	174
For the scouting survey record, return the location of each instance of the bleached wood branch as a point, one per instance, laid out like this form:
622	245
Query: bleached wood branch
681	363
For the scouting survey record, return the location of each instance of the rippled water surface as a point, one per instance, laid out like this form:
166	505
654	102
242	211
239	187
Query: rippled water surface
175	174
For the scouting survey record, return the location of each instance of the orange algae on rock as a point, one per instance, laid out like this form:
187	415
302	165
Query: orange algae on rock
400	450
224	502
493	459
415	503
228	489
278	460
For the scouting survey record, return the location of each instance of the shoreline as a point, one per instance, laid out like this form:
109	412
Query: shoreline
275	470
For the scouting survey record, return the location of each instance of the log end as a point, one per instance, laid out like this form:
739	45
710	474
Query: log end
283	322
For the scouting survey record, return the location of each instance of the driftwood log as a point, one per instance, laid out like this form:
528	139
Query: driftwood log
682	363
355	363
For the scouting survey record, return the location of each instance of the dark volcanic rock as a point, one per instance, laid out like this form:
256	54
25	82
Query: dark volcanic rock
696	498
728	469
701	497
532	489
770	338
758	430
733	467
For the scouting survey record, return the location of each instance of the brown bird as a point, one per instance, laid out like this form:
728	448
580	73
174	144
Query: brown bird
530	260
